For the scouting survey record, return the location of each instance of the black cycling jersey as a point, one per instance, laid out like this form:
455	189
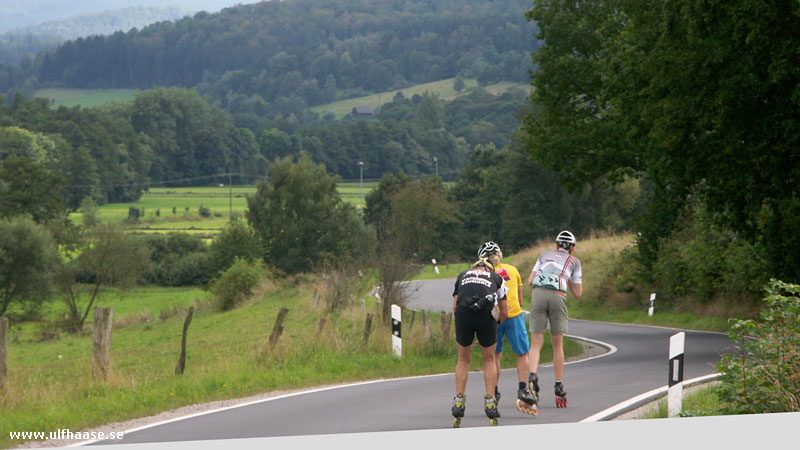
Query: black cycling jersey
473	283
470	286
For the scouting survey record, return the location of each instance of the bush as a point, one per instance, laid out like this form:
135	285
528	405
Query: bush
176	259
204	211
236	284
133	214
190	269
764	375
235	241
702	260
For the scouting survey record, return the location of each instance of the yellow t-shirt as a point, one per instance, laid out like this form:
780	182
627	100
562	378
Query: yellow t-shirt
513	283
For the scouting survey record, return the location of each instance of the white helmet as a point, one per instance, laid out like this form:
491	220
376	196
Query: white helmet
566	240
487	248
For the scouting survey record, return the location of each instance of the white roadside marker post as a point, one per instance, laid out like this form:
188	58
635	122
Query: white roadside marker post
435	267
675	393
652	304
397	343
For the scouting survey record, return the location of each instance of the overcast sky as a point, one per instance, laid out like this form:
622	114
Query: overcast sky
21	13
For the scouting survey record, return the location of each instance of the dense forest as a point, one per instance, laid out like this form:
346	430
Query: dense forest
275	59
28	41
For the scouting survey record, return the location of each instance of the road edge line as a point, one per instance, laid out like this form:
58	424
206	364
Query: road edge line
643	399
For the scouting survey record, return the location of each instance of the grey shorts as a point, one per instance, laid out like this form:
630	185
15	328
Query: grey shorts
548	304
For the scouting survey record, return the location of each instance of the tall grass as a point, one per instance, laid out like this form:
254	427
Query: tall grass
600	257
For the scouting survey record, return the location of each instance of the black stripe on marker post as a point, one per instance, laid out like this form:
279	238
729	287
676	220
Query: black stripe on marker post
675	370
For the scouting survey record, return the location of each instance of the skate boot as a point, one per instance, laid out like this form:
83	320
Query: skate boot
459	403
533	386
526	402
490	408
561	396
497	397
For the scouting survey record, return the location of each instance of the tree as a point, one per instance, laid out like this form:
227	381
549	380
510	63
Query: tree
105	257
29	188
420	220
28	260
458	85
300	218
237	240
696	96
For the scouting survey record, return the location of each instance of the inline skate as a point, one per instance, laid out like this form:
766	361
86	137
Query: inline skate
526	401
561	396
490	408
459	403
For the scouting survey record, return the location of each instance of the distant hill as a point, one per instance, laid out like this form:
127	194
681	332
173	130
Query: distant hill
276	60
32	39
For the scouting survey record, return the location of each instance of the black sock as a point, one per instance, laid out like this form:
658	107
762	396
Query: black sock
523	385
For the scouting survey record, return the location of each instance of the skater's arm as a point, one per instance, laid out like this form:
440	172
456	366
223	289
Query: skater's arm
502	306
455	299
576	289
530	278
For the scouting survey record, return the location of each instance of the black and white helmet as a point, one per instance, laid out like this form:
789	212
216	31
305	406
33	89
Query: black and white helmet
566	240
487	248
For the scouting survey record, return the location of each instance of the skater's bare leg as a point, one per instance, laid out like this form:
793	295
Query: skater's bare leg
522	367
497	356
537	341
558	356
489	369
462	367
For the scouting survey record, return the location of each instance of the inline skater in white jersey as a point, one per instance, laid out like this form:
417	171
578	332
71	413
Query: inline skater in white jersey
555	272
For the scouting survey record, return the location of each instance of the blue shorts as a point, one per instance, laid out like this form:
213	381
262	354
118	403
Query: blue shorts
514	330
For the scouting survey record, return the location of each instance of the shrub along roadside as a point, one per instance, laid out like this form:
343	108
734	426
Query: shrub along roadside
764	375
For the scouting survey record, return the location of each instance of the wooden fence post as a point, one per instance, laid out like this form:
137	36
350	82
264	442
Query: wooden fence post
3	352
427	327
101	342
182	359
277	329
367	328
445	319
411	321
321	324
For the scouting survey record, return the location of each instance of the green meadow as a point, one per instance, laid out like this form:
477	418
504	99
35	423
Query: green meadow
171	209
86	98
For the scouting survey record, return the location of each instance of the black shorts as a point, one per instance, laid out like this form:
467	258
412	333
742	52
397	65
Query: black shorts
469	323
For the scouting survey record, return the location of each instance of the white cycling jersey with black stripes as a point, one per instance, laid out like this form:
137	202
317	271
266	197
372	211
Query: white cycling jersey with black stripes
554	268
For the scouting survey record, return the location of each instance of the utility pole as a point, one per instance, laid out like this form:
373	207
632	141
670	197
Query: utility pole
361	183
436	165
230	199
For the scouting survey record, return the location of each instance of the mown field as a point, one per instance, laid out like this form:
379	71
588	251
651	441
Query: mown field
169	209
89	98
86	98
443	88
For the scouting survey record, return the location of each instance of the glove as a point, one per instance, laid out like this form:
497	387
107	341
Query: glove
503	273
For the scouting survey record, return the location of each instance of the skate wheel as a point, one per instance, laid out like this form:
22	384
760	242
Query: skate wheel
532	410
456	422
493	422
561	402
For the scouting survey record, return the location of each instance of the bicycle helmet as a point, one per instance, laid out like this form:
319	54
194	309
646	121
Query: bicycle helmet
487	248
566	240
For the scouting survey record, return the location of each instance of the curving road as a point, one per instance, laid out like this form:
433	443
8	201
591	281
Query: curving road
639	365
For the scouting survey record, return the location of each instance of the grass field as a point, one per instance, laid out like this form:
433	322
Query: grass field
443	87
86	98
158	204
50	386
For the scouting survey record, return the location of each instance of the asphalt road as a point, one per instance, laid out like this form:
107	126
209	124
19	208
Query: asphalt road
639	365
